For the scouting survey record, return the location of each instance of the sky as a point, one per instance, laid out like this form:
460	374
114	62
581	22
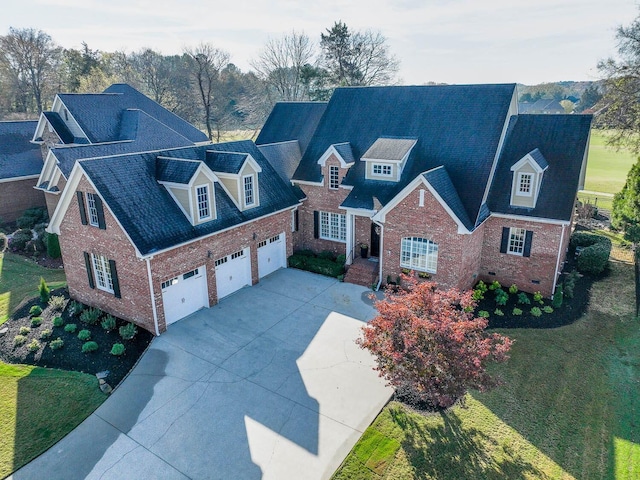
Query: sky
449	41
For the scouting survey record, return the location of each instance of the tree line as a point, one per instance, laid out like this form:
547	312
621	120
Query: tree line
202	85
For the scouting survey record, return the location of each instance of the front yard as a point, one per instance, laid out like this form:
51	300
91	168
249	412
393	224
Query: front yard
569	407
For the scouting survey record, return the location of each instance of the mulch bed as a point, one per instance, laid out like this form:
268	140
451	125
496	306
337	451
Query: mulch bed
70	357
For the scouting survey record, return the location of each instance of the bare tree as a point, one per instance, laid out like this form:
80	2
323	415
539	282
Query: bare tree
206	64
31	58
281	62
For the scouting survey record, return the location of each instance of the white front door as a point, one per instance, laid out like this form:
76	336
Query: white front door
184	294
233	272
272	255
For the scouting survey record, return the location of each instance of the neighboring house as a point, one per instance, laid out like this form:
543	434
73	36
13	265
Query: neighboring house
20	166
457	190
543	105
87	125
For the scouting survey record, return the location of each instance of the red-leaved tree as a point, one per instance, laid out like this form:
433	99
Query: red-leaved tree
428	344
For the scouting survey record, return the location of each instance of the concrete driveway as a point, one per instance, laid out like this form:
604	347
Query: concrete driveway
268	384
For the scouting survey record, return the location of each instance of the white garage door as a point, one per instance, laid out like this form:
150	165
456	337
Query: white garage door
184	294
271	255
233	272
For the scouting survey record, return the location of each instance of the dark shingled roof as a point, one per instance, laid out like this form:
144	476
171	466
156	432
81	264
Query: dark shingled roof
55	120
344	149
101	115
225	162
539	158
458	126
292	121
174	170
18	156
562	140
283	156
440	181
152	218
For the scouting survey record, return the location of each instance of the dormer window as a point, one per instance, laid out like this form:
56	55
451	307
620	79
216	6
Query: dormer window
249	197
334	177
387	157
528	173
382	170
204	208
525	182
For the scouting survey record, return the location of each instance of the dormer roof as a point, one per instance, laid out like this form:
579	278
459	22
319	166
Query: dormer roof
533	158
389	149
173	170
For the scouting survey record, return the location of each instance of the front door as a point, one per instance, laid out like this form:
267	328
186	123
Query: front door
375	240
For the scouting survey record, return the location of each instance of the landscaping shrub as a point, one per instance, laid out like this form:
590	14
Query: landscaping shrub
58	322
483	314
34	346
327	255
513	289
36	322
502	297
19	340
128	331
558	297
495	285
57	302
305	253
44	291
70	328
31	217
117	349
324	266
341	259
108	323
20	239
536	312
523	299
3	242
53	245
537	297
516	311
84	335
24	330
498	312
595	252
45	333
477	295
547	309
89	347
35	310
481	286
56	344
90	316
570	283
75	308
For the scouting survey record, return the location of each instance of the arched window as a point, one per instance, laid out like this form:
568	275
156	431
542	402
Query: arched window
419	254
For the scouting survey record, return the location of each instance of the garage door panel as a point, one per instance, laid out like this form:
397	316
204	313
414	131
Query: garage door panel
272	255
184	294
233	272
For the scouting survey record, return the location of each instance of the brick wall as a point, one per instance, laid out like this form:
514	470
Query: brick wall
17	196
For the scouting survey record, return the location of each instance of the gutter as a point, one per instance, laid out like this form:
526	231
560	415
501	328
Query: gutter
380	258
153	297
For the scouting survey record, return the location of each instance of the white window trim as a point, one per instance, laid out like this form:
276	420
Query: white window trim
92	210
332	169
513	231
518	191
410	263
341	227
253	190
208	195
102	272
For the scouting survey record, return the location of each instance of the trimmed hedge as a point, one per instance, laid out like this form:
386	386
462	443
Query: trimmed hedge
594	256
323	266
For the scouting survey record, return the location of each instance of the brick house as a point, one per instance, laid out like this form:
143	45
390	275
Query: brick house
20	166
449	182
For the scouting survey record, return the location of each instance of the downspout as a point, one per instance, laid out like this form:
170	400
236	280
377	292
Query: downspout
153	297
380	258
555	278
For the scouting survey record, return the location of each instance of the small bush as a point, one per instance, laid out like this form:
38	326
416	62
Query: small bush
516	311
477	295
90	316
31	217
56	344
341	259
327	255
502	297
117	349
570	283
44	291
24	330
36	322
75	308
57	322
495	285
305	253
128	331
53	245
595	252
19	340
84	335
483	314
547	309
70	328
536	312
481	286
498	312
537	297
57	302
34	346
558	297
20	239
35	311
523	299
45	333
89	347
513	289
108	323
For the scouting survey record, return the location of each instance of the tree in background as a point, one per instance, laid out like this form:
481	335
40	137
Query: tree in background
77	64
625	214
429	346
589	98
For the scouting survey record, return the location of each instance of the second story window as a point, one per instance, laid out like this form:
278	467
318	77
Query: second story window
92	209
334	177
204	209
249	197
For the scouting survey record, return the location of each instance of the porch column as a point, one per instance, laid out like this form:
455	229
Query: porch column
350	237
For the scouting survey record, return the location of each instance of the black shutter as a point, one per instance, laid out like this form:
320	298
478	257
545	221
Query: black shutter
114	278
83	210
527	244
87	264
505	240
295	220
100	211
316	224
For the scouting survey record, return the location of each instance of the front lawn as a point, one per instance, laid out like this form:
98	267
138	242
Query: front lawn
569	407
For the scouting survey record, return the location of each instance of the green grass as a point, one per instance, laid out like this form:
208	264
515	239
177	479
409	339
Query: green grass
569	407
19	279
607	167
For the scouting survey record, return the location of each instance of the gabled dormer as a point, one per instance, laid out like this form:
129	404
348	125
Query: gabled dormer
58	126
342	159
387	157
527	178
191	184
238	174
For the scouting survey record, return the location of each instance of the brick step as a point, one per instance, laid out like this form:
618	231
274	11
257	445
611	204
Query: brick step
362	272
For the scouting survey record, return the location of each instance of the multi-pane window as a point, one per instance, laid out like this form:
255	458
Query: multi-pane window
333	226
382	170
419	254
334	177
92	209
516	241
249	197
525	181
204	209
102	273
